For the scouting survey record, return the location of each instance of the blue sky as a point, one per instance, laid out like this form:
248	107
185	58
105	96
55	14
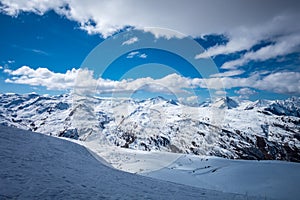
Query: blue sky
97	47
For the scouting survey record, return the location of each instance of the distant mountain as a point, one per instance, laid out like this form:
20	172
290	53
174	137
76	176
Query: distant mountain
225	102
224	127
289	107
258	104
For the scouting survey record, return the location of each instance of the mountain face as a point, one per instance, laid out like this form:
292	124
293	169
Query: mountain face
290	107
225	128
225	103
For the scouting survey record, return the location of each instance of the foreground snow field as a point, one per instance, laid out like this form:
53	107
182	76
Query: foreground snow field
35	166
267	179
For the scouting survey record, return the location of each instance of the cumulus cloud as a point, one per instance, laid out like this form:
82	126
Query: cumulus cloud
279	82
13	8
43	77
220	92
83	81
195	17
228	73
245	93
235	44
192	99
283	46
280	31
131	41
163	32
245	37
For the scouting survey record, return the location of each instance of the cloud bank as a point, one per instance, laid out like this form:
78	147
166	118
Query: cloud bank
82	80
281	32
195	17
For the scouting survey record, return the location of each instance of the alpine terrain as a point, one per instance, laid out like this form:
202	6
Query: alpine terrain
261	130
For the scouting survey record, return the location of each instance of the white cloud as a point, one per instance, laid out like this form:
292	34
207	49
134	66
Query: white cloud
131	41
194	18
1	67
163	32
143	55
280	31
245	37
13	7
132	54
192	99
283	46
83	81
228	73
7	71
136	53
220	92
38	51
245	93
235	44
279	82
43	77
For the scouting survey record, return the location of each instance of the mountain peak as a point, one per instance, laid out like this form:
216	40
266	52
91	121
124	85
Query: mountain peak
225	102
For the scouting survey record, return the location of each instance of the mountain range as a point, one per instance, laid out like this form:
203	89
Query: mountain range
260	130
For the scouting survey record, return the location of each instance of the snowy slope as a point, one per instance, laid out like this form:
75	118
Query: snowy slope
268	179
224	128
35	166
265	179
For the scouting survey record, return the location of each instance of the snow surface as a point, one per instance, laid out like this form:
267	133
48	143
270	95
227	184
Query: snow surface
265	179
35	166
268	179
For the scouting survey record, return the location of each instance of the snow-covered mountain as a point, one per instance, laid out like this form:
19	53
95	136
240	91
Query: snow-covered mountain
225	102
225	127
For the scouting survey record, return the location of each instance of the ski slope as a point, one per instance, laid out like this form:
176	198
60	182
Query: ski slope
265	179
36	166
